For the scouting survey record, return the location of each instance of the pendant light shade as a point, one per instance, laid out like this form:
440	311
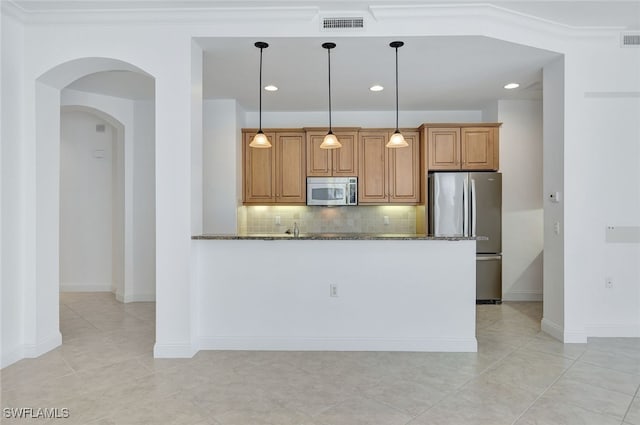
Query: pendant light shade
260	140
330	140
397	139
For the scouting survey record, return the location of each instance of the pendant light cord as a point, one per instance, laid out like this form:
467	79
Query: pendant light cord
397	89
329	61
260	91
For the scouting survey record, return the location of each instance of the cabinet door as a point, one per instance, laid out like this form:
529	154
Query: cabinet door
290	168
443	148
332	162
319	161
372	164
479	148
345	159
404	171
259	171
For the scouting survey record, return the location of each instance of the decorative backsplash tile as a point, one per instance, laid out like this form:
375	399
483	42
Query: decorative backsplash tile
360	219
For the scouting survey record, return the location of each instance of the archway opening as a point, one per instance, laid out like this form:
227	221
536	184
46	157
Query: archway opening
99	180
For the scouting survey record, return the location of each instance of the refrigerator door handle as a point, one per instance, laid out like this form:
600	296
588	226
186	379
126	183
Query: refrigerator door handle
465	207
474	219
491	258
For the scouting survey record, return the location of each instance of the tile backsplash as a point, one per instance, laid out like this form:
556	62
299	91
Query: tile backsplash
354	219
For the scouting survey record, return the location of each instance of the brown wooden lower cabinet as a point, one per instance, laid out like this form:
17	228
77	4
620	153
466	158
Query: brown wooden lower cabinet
275	175
388	175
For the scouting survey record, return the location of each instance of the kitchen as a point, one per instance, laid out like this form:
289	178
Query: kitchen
582	103
268	217
520	136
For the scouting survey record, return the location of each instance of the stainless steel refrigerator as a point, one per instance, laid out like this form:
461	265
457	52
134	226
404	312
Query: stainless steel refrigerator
470	204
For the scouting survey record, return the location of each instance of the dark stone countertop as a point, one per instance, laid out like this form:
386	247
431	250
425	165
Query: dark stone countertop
336	236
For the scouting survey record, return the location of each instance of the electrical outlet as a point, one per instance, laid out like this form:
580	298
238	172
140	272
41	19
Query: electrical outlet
333	290
278	220
608	283
385	220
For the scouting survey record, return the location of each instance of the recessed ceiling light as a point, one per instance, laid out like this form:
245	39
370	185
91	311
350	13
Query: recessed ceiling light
511	86
270	87
376	87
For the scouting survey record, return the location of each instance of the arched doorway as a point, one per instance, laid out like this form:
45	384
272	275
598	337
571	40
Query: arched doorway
43	313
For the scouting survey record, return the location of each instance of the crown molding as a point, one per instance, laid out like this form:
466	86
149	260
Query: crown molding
486	10
156	15
213	11
10	8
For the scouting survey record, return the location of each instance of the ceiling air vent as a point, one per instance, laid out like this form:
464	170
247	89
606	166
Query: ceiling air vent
630	39
356	23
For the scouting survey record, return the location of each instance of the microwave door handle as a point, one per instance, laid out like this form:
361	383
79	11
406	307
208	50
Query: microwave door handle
351	194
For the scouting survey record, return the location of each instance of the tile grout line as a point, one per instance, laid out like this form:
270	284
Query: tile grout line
64	358
609	368
635	396
459	387
547	389
484	371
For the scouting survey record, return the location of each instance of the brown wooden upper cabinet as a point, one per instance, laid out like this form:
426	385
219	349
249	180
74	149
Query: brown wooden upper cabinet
388	175
472	147
275	175
332	162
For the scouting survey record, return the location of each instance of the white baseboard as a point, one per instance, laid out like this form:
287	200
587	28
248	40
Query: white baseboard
135	298
174	351
30	350
575	336
562	334
522	296
552	329
85	287
340	344
12	356
614	330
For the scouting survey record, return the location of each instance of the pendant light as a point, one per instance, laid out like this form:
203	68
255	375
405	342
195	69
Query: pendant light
260	140
330	140
397	139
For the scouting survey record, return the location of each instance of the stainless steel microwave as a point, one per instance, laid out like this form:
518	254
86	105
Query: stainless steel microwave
332	191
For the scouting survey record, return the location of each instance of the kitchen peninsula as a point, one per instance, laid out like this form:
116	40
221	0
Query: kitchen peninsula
356	292
376	282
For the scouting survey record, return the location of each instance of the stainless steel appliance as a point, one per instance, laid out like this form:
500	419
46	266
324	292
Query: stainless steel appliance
332	191
470	204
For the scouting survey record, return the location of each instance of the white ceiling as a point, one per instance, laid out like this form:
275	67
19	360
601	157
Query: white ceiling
435	72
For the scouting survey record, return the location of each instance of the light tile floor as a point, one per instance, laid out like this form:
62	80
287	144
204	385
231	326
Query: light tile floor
104	373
